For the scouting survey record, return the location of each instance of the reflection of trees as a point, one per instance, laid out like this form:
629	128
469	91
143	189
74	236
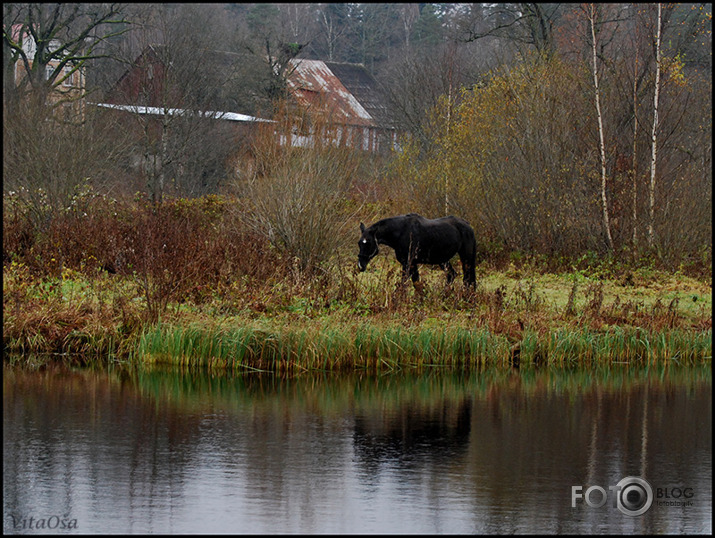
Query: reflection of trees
525	442
292	449
83	427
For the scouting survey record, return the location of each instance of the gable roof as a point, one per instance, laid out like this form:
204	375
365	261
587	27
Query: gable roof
366	90
347	91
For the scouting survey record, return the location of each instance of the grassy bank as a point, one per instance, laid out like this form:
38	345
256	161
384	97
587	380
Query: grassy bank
189	282
518	315
389	348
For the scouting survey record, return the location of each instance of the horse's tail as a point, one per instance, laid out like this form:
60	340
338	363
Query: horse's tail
468	254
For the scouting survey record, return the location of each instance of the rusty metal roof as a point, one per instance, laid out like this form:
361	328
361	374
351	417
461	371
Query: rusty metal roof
346	92
366	90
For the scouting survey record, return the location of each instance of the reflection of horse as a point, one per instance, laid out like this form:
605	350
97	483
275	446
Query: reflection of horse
420	240
408	432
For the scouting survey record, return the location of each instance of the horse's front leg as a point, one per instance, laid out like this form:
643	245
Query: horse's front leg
414	273
409	270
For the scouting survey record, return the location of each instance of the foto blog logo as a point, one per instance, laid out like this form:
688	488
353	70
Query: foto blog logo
633	496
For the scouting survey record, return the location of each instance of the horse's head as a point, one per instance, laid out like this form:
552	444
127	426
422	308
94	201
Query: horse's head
368	247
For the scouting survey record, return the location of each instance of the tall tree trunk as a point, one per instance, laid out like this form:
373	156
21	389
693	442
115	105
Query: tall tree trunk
651	218
164	156
634	173
449	155
604	199
448	168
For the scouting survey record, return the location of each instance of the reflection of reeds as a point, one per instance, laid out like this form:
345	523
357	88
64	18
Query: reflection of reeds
419	388
416	388
367	346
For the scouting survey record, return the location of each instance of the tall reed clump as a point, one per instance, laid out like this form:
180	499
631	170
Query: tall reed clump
579	347
338	348
388	348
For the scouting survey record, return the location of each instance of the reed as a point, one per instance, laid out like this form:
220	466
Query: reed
619	345
368	346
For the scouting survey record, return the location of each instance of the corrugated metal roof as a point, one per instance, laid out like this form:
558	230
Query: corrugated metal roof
313	83
365	89
160	111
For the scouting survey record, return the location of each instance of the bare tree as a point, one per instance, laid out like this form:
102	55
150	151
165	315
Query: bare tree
416	80
530	24
273	45
182	70
60	40
332	27
634	165
591	14
48	156
409	13
654	140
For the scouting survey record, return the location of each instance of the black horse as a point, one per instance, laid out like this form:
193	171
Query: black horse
420	240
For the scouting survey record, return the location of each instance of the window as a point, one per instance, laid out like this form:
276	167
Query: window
70	77
28	46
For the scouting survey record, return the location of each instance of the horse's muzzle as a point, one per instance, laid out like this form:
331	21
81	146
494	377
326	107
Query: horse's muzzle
361	266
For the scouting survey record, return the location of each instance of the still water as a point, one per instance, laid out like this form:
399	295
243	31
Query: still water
134	451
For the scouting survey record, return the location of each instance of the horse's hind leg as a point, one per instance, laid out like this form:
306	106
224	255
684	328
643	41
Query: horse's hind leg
470	277
469	264
451	273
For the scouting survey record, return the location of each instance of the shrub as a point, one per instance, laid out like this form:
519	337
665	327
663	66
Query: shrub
297	197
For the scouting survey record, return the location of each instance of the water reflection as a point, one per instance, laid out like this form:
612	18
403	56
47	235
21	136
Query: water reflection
435	452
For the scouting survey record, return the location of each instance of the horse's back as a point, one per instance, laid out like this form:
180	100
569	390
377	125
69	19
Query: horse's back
434	240
458	224
441	228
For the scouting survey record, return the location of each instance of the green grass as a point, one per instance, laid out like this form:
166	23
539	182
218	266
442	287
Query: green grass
366	321
367	346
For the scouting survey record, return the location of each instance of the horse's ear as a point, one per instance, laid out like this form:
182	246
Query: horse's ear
362	227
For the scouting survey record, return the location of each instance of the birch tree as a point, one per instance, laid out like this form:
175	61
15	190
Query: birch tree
591	13
654	132
334	26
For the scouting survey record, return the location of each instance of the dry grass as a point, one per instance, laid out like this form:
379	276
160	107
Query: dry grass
119	279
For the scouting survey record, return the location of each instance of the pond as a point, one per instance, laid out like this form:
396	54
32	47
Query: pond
131	450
